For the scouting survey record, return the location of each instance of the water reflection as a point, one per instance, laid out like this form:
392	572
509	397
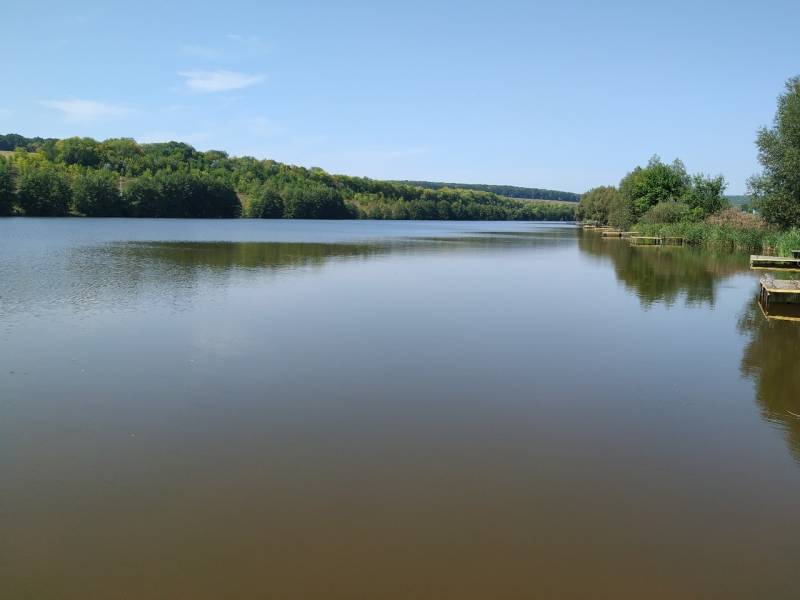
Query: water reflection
665	274
121	275
770	359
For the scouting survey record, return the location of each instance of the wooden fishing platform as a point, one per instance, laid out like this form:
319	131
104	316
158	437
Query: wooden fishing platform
673	241
644	240
774	262
779	290
617	234
647	240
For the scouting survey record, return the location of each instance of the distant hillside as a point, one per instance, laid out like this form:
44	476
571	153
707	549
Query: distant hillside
739	200
510	191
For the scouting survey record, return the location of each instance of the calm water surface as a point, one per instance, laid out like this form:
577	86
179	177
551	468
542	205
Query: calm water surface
242	409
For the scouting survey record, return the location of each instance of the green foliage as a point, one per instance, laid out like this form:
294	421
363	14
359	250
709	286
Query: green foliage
172	179
78	151
657	182
667	212
777	190
660	193
96	194
123	155
313	201
621	213
265	203
728	235
44	191
785	242
181	194
7	181
595	204
509	191
705	196
12	141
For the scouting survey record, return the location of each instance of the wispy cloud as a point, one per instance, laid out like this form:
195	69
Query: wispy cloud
76	109
218	81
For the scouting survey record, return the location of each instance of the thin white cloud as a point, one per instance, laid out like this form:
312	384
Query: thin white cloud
218	81
76	109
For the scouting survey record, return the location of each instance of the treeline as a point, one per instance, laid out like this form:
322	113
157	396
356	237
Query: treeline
121	178
510	191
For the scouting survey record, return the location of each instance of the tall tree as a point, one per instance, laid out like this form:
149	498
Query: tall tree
776	190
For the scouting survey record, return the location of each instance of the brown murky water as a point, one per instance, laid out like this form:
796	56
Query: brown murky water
389	410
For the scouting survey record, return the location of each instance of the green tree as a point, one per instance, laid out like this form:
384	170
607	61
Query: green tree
313	201
44	191
776	190
96	194
595	204
123	155
143	196
621	212
266	203
657	182
7	178
706	195
79	151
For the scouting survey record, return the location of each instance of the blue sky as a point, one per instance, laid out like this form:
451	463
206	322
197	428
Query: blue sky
564	95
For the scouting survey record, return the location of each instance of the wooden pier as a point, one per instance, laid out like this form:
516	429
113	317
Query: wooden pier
779	290
673	241
774	262
646	240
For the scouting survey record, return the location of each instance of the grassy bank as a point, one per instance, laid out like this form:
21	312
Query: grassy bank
726	237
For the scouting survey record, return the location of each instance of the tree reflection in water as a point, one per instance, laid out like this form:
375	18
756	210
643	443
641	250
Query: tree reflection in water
665	274
770	359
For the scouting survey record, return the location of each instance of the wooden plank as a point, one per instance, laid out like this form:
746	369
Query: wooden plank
781	286
643	240
774	262
673	241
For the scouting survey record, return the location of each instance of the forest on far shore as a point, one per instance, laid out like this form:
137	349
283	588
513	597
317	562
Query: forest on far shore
122	178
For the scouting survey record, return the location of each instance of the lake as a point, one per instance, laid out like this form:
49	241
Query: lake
356	409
